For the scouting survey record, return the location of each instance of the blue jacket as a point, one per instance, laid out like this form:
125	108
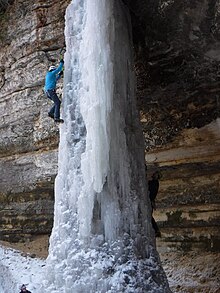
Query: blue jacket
52	77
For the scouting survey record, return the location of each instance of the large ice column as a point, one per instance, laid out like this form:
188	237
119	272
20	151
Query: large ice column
102	240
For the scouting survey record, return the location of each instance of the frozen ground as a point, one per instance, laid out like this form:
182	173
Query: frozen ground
187	273
192	272
18	268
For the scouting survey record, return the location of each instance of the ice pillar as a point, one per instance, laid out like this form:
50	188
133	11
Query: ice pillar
102	240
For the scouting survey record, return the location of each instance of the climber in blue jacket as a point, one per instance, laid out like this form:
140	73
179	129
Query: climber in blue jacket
51	78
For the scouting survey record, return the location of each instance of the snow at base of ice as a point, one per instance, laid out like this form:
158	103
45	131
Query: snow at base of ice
107	269
16	270
186	272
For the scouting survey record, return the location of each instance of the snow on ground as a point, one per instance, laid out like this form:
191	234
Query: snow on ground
187	273
16	269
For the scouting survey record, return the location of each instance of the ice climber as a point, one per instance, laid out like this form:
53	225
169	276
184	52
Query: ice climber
153	187
24	289
51	78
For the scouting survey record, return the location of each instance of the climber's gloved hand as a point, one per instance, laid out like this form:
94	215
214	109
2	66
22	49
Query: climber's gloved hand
61	61
61	73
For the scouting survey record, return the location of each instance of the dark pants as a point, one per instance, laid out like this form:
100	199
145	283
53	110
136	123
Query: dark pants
154	224
55	110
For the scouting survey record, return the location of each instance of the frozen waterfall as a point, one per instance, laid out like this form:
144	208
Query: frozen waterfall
102	240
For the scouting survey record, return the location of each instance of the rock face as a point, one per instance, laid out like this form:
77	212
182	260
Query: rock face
177	66
31	36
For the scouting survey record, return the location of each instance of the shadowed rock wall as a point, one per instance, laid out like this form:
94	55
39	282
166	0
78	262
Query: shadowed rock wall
177	65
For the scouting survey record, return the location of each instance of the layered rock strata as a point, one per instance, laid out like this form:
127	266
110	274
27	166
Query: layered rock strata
31	36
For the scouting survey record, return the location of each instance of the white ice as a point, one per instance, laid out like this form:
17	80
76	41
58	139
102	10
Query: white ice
102	239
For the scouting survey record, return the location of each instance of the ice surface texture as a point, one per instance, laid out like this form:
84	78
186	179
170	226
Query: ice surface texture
102	240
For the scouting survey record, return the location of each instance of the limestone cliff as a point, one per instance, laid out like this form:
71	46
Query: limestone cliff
176	47
31	36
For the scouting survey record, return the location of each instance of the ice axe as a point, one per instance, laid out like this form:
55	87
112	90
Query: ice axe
62	52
